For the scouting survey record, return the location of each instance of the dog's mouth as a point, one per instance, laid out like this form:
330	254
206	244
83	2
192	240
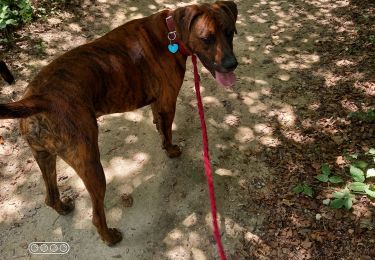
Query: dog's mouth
225	79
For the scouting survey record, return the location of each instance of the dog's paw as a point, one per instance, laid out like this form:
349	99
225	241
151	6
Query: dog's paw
66	206
114	237
63	207
173	151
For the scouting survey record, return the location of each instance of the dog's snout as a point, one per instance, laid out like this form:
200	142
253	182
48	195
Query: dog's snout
229	63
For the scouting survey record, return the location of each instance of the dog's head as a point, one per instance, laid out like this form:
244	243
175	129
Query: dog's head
207	30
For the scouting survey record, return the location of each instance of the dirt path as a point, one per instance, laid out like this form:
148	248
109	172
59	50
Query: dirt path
169	216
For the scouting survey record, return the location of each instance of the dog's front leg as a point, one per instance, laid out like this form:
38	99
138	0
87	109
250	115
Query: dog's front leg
163	118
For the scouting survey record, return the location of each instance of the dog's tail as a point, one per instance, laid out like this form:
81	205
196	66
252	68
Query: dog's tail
5	73
24	108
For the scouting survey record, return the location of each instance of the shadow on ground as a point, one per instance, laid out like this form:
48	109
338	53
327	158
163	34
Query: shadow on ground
302	69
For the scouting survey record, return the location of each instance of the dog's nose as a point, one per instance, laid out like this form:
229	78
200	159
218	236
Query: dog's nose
229	63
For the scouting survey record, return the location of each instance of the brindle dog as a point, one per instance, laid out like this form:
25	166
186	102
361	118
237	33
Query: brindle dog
5	73
128	68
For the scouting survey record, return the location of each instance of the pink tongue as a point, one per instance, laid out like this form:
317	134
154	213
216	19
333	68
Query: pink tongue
225	79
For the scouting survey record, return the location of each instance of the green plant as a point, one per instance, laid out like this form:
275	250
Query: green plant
304	189
342	198
14	13
361	168
366	116
359	171
325	176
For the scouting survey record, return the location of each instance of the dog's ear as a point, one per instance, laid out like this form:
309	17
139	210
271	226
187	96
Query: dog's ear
184	18
230	8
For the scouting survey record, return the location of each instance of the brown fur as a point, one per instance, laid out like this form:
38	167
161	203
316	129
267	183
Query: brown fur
128	68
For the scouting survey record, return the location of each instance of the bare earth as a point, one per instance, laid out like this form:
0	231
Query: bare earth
161	205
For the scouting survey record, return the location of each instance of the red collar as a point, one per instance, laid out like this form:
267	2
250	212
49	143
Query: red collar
172	35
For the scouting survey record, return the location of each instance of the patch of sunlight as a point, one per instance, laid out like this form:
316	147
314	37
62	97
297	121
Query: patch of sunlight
173	237
133	8
250	39
190	220
297	137
82	218
152	7
265	91
314	106
252	48
244	134
367	87
243	23
246	60
178	253
260	82
263	129
349	105
136	16
269	141
124	168
344	63
54	21
257	19
198	254
58	232
250	237
37	63
283	58
204	70
286	116
212	101
284	77
118	19
232	228
126	188
131	139
134	116
232	120
75	27
194	239
257	108
9	210
225	172
114	214
209	223
309	58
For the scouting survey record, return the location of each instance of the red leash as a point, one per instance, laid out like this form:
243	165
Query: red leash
174	46
207	164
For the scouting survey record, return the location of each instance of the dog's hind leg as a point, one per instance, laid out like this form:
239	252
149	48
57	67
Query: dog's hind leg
47	164
85	160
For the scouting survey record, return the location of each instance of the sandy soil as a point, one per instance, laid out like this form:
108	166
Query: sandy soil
169	216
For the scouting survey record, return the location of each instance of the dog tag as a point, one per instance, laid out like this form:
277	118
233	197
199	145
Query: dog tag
173	47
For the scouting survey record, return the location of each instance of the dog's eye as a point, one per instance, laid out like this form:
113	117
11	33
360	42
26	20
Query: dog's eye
208	40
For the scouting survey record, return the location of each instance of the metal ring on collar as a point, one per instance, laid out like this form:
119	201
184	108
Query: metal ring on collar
172	36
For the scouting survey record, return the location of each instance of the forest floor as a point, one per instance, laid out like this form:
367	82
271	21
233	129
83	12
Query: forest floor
305	68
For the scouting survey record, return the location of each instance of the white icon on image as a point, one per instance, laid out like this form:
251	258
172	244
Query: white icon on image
33	248
44	248
49	248
63	248
53	248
